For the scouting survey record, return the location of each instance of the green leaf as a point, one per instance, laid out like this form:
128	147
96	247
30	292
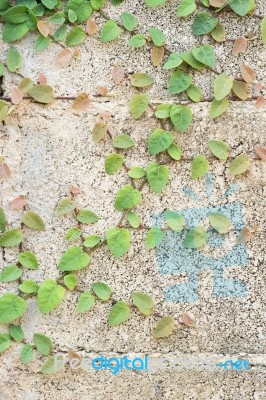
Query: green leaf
133	219
73	233
140	79
263	30
138	105
50	295
16	332
203	23
174	151
185	8
92	241
154	237
28	286
4	4
195	238
70	281
97	4
10	274
118	241
154	3
102	290
74	259
38	10
27	354
239	165
218	33
12	307
12	32
222	86
158	176
42	93
16	15
13	60
28	260
218	107
58	18
159	140
164	327
219	222
51	366
204	54
173	61
157	36
119	313
50	4
143	302
65	206
110	31
86	302
33	221
113	163
25	84
127	197
123	141
2	220
136	172
129	21
137	41
87	217
192	61
41	43
240	7
174	220
5	342
206	3
4	108
179	82
194	93
72	16
43	343
75	37
10	238
219	149
199	166
60	33
82	8
163	111
181	117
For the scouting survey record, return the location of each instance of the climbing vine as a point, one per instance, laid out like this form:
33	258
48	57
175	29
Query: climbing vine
67	25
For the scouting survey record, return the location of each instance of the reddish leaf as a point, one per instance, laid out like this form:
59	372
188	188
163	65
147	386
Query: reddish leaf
118	74
43	28
16	95
157	54
91	27
105	115
247	73
75	190
244	235
42	79
4	171
63	57
260	102
187	320
76	52
102	90
81	102
258	87
18	203
261	152
240	45
218	3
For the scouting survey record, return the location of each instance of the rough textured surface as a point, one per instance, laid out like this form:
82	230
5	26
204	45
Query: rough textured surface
48	149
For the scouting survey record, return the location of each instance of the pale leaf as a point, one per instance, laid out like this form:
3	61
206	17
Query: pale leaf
81	102
118	74
18	203
43	28
63	57
16	95
91	27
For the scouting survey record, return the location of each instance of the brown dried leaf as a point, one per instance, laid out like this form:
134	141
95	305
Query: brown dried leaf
261	152
240	89
240	45
76	52
81	102
42	79
118	74
218	3
244	235
187	320
99	131
260	102
157	54
91	27
4	170
43	28
105	115
63	57
102	90
75	360
248	74
18	203
16	95
75	190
